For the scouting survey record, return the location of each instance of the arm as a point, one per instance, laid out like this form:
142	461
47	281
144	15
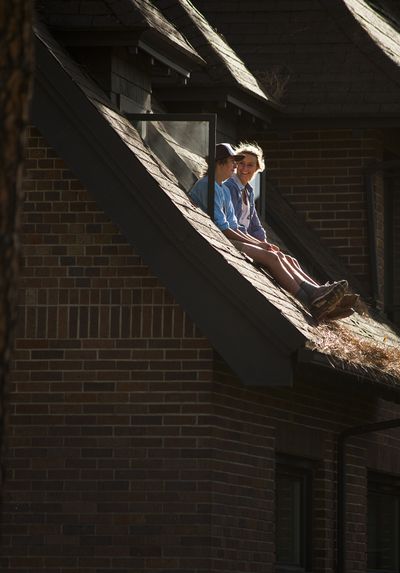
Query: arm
199	196
236	198
255	228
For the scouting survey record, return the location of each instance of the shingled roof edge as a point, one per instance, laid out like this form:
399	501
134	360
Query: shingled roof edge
343	16
67	118
198	22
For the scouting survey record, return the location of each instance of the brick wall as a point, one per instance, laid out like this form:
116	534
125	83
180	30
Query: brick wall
321	173
253	427
110	410
132	446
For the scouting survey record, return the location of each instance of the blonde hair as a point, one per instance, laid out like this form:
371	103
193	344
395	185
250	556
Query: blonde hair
251	149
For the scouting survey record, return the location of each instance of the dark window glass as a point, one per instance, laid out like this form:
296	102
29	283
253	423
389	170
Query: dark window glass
383	524
392	244
293	514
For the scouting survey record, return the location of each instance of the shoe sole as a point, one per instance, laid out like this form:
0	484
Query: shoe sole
322	307
349	300
338	313
339	287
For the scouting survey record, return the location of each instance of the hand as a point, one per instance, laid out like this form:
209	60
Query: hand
270	247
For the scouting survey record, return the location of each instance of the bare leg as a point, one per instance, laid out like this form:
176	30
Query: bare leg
289	280
292	264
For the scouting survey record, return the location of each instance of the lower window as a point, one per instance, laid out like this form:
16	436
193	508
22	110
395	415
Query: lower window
383	523
293	514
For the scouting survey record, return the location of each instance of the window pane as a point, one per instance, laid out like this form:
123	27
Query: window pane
289	503
383	532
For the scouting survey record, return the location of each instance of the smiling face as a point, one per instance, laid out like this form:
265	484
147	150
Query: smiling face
247	168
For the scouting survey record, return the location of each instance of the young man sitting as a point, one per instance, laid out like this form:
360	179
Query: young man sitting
320	300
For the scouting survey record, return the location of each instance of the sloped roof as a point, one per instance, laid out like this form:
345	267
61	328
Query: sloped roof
224	65
384	33
333	58
256	326
85	15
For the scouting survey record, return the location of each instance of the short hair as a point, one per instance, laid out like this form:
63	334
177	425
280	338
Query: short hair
204	171
251	149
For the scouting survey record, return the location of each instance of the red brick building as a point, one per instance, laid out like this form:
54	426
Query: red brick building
172	408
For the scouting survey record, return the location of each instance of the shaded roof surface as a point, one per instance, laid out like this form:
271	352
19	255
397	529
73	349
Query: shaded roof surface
224	65
112	15
328	57
211	264
383	31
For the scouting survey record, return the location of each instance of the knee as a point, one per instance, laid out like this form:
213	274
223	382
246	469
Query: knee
272	257
292	260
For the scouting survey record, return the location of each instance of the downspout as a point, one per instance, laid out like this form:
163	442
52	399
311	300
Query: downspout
342	482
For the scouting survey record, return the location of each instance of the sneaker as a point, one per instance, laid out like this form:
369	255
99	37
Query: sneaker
349	300
337	313
321	292
326	298
344	308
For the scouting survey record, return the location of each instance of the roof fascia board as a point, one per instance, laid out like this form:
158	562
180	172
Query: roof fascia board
313	364
262	351
221	95
163	59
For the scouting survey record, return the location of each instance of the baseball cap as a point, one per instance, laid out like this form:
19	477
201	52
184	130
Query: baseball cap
225	150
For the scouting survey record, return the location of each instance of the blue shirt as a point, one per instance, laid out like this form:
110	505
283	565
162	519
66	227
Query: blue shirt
224	213
254	227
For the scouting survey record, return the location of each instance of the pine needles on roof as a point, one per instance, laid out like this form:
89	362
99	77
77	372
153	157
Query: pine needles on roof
341	345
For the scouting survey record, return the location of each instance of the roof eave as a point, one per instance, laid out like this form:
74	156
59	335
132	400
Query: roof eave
326	369
221	96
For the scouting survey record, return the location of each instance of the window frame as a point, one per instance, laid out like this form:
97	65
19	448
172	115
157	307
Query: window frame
384	485
298	469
